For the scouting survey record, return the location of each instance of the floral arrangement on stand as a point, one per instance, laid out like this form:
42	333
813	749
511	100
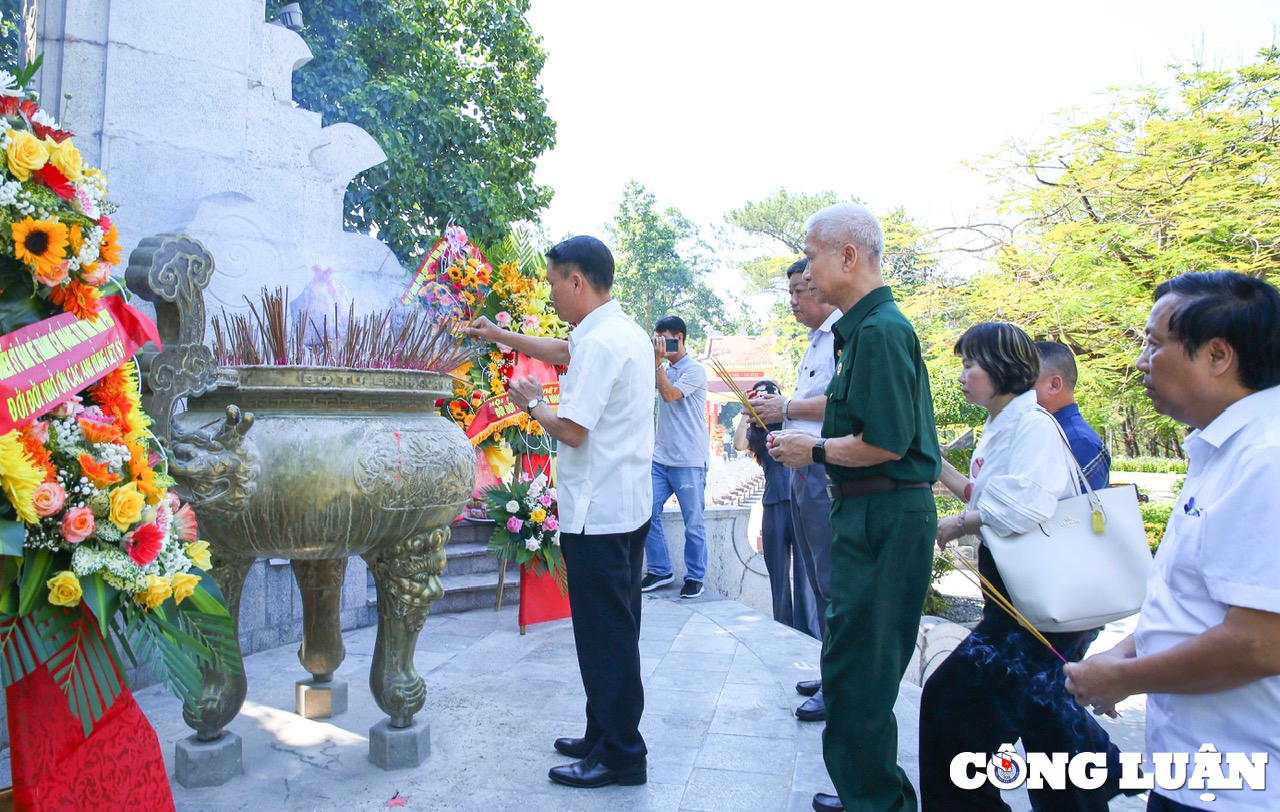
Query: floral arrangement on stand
527	526
96	553
516	297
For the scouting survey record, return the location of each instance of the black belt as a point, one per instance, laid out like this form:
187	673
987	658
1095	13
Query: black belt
872	484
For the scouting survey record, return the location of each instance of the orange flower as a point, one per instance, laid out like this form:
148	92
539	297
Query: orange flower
96	432
110	248
39	455
40	243
77	298
98	473
143	475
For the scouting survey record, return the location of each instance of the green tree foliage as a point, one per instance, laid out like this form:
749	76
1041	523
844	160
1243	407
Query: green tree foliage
779	217
661	264
450	90
1170	180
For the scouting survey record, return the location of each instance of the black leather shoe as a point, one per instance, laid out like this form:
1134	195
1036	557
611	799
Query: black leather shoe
573	748
808	687
822	802
814	709
590	774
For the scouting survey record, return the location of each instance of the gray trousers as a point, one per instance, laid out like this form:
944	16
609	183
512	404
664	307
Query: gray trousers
811	521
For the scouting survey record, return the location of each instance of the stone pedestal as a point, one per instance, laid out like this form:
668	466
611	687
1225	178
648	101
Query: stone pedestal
398	748
320	700
208	764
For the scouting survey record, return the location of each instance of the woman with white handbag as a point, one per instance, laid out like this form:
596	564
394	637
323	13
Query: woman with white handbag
1001	683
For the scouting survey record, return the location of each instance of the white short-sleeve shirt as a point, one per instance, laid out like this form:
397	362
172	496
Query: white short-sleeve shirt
817	368
1221	549
605	485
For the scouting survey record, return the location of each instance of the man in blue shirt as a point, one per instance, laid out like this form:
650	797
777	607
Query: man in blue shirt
680	458
1056	392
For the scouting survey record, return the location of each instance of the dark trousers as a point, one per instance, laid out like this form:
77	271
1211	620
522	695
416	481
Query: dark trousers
1159	803
811	523
604	600
999	685
881	560
793	602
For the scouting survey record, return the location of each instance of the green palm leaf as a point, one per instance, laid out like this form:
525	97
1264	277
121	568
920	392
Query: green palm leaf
23	645
81	666
217	634
157	643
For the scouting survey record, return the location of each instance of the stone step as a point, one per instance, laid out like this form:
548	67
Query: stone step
462	593
475	590
469	557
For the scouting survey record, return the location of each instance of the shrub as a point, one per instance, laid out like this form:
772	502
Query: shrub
1149	465
1155	515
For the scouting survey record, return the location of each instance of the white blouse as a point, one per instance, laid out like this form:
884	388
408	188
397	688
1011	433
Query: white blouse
1021	468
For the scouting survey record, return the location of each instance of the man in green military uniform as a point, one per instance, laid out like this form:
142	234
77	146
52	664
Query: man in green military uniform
880	447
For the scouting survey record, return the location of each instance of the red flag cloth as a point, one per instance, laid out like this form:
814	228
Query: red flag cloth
44	364
540	598
119	768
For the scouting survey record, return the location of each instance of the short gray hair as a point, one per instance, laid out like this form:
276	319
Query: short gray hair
844	223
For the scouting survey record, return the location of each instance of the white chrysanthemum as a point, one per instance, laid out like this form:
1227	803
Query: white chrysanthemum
7	80
42	117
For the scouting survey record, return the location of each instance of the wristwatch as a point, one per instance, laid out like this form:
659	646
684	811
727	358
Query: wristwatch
820	451
533	404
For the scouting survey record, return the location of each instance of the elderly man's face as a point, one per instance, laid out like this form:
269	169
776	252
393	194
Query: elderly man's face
1174	382
824	269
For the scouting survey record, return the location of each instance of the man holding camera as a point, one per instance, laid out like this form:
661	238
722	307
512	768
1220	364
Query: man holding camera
679	458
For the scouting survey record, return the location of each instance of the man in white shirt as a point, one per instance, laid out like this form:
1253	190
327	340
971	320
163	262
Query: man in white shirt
810	503
604	427
1206	649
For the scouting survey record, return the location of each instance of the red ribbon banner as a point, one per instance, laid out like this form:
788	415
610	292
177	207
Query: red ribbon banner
43	364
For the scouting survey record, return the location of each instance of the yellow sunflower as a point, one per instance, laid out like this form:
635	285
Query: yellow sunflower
40	243
110	248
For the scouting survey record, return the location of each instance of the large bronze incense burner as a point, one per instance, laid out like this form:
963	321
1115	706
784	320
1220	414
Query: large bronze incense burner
313	464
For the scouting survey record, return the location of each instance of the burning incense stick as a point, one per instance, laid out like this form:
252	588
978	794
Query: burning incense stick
1004	603
723	374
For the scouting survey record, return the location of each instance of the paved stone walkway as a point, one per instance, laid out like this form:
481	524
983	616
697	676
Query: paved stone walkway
719	682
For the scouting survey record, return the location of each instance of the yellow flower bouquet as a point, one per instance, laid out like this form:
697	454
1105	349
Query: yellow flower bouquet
97	555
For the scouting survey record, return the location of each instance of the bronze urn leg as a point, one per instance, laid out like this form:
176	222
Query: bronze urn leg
320	582
407	576
224	692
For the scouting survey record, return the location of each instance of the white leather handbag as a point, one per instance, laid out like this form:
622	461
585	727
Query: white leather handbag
1082	568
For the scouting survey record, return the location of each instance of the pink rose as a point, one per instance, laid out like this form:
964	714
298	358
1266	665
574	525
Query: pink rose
48	498
551	525
514	524
39	431
69	408
77	525
54	276
503	319
97	277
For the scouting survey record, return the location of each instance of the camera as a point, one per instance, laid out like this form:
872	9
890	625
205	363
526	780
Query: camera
672	344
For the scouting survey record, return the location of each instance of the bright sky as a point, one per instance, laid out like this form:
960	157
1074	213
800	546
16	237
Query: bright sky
712	103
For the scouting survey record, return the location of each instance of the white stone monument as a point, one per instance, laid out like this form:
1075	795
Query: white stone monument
188	108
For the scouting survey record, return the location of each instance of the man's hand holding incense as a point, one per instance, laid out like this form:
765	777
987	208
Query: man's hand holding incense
769	407
1098	682
793	449
486	330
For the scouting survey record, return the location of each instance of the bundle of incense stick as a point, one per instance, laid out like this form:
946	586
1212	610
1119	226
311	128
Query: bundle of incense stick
723	374
382	340
1004	603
